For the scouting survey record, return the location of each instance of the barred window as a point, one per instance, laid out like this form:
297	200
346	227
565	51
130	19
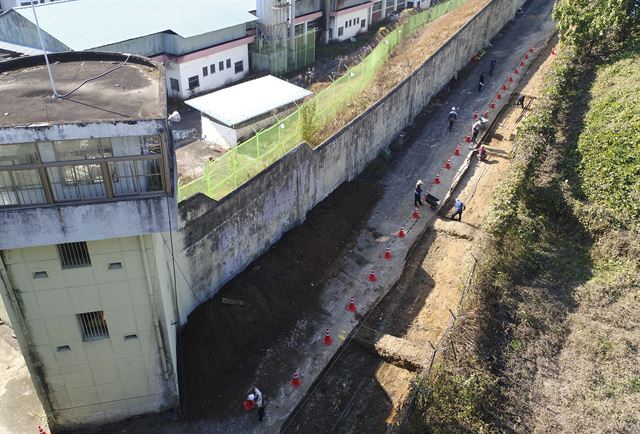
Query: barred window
73	255
93	325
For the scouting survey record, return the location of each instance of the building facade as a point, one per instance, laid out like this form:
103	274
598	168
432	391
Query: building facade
203	47
87	201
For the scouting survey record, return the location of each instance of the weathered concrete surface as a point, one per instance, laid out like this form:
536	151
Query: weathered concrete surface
219	239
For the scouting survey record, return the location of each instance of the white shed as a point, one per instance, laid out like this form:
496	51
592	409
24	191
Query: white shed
230	116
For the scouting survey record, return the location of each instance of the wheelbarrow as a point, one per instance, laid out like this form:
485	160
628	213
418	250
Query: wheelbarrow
431	200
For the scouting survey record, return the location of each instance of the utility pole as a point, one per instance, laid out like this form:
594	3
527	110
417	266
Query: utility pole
44	51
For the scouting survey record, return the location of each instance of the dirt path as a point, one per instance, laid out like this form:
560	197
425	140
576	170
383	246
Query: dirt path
372	379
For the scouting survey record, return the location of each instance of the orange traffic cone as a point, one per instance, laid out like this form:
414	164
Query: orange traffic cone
372	276
485	115
468	138
447	164
516	71
415	214
351	307
526	56
437	180
456	151
401	232
492	105
387	254
475	115
41	431
504	87
522	63
531	50
511	79
328	340
295	381
499	96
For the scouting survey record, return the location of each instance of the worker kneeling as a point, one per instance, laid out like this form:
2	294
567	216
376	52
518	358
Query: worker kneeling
482	153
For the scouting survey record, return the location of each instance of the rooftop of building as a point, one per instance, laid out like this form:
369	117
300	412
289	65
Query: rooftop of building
133	89
74	23
245	101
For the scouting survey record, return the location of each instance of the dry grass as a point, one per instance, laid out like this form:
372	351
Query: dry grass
550	336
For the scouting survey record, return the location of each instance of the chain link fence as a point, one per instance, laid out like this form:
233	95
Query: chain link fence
246	160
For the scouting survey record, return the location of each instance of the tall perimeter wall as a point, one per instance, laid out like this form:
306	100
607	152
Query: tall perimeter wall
217	240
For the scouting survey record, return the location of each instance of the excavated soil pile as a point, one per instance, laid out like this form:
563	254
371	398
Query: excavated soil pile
225	342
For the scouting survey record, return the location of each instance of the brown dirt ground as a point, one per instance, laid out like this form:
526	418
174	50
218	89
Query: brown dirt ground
221	343
363	392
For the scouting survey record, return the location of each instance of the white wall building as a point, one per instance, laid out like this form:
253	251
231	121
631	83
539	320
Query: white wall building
230	116
87	200
206	69
346	23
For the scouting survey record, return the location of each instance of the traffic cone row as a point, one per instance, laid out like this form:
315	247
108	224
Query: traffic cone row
351	305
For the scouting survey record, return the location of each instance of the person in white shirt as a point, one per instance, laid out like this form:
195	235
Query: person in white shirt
256	396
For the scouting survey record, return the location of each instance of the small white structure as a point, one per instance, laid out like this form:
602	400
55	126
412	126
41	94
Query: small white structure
234	114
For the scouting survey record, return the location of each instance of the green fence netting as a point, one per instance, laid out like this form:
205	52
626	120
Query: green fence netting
249	158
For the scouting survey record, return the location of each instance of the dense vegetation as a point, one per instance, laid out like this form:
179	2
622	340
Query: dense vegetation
550	334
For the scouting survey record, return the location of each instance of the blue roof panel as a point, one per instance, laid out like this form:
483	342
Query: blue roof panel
87	24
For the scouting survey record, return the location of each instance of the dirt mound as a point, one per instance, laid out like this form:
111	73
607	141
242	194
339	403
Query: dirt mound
223	341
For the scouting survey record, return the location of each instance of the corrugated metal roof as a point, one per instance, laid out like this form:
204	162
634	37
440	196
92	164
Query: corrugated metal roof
86	24
244	101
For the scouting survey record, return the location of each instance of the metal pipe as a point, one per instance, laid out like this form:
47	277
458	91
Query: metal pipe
154	311
44	51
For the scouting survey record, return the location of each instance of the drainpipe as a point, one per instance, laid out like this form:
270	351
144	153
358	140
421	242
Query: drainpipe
154	310
24	339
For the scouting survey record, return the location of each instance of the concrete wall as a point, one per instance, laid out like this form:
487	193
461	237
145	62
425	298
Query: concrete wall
95	381
217	240
305	7
214	132
16	29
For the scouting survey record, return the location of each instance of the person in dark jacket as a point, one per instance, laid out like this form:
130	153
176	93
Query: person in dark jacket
481	83
492	65
453	115
459	207
418	194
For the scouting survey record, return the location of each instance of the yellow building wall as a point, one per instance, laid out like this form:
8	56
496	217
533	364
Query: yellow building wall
100	380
